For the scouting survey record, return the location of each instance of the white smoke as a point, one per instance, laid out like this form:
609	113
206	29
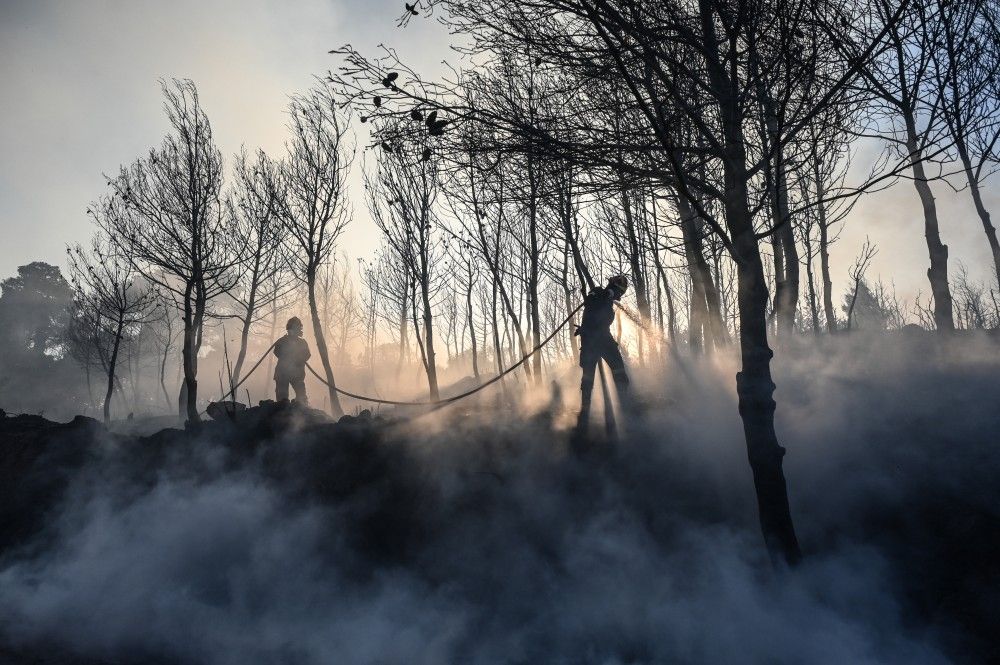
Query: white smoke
485	541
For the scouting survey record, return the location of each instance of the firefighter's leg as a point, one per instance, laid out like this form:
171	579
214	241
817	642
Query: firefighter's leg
300	391
588	362
281	389
613	356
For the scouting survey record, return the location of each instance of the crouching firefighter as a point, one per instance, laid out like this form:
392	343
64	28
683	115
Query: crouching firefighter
597	344
292	353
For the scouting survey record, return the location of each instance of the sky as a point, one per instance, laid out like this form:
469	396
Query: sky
80	96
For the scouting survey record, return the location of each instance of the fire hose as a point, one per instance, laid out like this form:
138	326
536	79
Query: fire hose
449	400
433	403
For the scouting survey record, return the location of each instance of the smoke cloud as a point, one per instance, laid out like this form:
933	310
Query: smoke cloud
480	539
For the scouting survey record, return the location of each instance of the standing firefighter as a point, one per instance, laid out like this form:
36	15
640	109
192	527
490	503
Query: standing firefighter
292	353
596	342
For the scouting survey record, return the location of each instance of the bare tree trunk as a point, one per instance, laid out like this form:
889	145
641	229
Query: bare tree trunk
335	408
472	330
497	348
163	372
494	265
402	336
698	307
753	383
111	370
671	311
705	302
188	400
90	387
938	251
824	251
635	265
984	214
533	270
813	309
268	375
241	356
568	302
430	364
247	321
755	389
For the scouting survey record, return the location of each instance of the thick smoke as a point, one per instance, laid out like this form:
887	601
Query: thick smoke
469	538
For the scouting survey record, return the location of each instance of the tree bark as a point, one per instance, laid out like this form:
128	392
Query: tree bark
984	214
533	270
111	370
188	399
472	330
753	383
335	408
937	273
431	367
824	251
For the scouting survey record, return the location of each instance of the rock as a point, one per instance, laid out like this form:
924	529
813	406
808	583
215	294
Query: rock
225	410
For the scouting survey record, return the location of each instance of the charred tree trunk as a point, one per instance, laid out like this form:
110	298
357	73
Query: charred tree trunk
111	369
163	373
977	199
635	265
533	270
432	382
698	327
403	333
824	251
335	408
753	383
188	399
472	331
568	303
937	273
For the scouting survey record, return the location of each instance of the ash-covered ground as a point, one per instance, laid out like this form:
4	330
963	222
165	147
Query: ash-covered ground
477	535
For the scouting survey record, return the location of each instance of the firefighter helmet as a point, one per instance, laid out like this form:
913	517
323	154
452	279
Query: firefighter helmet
619	283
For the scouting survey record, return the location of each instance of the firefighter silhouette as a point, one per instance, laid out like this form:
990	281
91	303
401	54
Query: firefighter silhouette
292	353
596	342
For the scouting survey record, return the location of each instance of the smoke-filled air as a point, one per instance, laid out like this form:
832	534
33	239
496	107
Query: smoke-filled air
601	332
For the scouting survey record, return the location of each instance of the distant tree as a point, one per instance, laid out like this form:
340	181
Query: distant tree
859	290
388	280
264	263
402	194
33	309
164	330
111	293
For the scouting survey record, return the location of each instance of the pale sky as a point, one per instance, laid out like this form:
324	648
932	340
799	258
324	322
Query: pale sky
80	96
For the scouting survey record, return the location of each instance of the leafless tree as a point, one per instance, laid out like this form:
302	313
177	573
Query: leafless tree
263	269
402	195
857	275
164	331
966	65
169	221
388	279
909	117
111	293
311	201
